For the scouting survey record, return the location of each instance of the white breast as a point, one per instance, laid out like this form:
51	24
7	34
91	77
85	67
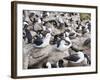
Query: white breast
63	47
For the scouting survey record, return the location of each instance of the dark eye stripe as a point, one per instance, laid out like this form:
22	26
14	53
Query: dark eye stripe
67	42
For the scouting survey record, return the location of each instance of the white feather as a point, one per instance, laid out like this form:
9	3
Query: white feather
25	23
81	55
39	21
62	46
45	41
48	64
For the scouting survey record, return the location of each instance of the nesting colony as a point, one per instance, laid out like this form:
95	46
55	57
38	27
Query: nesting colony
56	39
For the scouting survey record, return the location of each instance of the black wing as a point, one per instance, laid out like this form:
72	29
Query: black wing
73	57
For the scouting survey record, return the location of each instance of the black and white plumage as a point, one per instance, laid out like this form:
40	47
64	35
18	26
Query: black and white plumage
45	14
42	40
73	58
69	24
49	65
25	25
87	42
78	58
63	44
28	33
28	36
46	65
58	64
87	59
72	35
38	41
